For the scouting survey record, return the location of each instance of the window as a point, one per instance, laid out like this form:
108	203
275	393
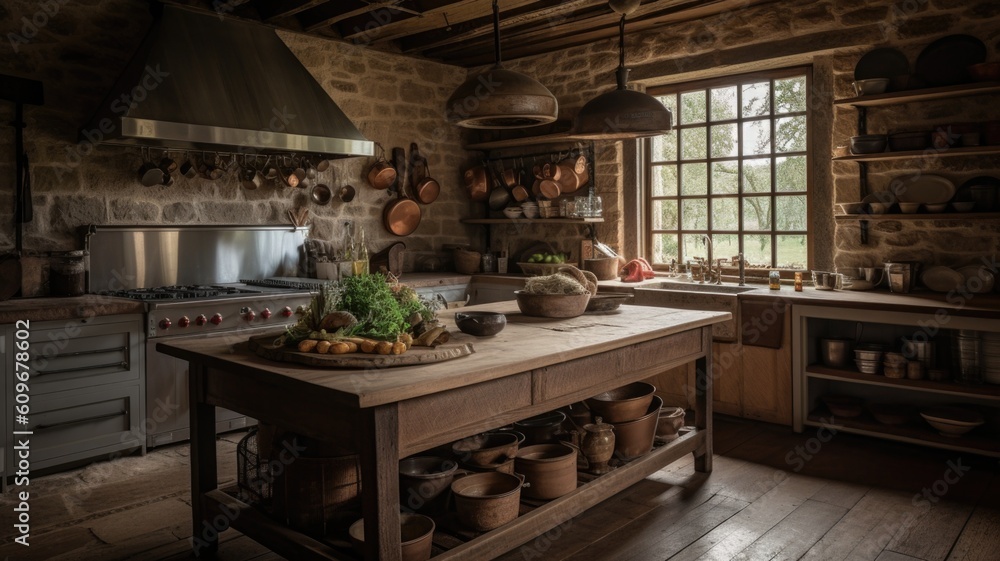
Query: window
735	167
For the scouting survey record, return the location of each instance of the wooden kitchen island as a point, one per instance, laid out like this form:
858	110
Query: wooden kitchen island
533	366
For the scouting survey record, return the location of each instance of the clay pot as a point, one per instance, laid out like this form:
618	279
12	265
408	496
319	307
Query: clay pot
506	466
417	532
541	429
487	448
422	479
485	501
604	268
635	438
549	470
598	446
671	420
626	403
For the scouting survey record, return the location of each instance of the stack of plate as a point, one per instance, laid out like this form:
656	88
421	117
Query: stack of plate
990	357
965	346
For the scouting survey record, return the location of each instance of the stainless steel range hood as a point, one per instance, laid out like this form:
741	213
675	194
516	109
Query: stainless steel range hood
203	82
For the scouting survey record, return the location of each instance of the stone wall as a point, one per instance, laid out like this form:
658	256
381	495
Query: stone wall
79	52
831	36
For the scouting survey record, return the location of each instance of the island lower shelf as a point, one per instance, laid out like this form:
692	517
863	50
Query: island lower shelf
535	520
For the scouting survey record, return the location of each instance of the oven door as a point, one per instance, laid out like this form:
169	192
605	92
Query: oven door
167	401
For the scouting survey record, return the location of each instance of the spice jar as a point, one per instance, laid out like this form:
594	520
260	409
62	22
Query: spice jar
798	281
774	280
68	274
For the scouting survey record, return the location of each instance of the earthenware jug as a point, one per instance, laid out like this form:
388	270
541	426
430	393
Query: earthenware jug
598	445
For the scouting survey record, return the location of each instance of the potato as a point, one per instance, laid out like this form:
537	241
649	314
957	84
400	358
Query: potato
307	345
398	348
383	347
339	348
323	347
352	347
368	346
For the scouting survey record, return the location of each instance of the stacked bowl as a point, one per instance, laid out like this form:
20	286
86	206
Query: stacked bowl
634	411
530	209
868	358
894	365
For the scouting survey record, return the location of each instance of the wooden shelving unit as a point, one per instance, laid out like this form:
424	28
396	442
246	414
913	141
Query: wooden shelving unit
928	154
927	94
977	391
555	138
928	216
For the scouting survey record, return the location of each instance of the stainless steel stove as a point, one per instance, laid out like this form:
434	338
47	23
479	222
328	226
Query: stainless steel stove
189	282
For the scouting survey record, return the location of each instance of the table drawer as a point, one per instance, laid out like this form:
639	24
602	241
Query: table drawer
75	356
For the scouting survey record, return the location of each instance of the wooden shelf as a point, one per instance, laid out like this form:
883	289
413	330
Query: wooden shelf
927	216
550	221
554	138
928	94
983	391
927	153
978	441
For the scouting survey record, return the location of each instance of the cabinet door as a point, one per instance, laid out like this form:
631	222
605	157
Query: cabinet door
727	378
72	354
767	380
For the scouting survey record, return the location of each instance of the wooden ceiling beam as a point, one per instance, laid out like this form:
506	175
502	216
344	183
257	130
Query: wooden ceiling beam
458	12
328	15
532	43
271	10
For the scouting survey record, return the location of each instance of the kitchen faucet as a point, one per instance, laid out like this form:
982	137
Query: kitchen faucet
743	270
718	277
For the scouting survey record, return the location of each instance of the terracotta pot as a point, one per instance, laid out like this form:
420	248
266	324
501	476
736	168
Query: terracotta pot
485	501
549	470
626	403
417	532
487	448
671	420
635	438
422	479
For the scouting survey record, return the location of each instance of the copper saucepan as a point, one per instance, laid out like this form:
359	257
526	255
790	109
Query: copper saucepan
402	215
381	174
476	184
425	189
568	181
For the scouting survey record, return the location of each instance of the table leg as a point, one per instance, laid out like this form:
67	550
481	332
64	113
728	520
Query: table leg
703	403
204	472
380	482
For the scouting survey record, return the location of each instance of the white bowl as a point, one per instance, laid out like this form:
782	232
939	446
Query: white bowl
512	212
952	421
530	211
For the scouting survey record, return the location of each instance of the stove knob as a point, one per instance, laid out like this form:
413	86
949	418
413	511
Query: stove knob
287	312
183	322
201	320
216	319
165	323
249	316
266	314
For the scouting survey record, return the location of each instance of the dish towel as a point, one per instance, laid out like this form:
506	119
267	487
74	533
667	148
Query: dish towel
763	323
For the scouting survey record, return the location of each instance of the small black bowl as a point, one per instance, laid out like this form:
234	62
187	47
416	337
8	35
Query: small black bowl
480	324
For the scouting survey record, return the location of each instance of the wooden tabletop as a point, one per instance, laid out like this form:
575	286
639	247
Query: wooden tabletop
525	344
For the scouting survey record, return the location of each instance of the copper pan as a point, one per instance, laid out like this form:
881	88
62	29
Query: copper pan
381	174
424	188
549	188
476	184
402	215
568	180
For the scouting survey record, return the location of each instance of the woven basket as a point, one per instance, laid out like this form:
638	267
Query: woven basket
467	262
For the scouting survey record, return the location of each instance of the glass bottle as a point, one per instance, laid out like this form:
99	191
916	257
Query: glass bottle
361	256
774	280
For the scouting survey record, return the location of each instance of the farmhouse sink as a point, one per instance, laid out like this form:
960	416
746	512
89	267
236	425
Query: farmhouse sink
697	287
715	298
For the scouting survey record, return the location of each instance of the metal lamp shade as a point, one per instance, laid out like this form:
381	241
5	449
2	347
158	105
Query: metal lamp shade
622	115
501	99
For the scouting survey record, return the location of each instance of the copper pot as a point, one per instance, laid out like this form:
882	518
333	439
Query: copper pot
568	180
549	188
510	178
476	184
402	215
425	189
381	174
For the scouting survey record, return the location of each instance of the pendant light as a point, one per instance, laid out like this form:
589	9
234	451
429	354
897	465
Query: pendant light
500	98
622	114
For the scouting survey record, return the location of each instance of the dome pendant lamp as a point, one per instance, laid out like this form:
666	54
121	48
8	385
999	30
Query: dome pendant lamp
622	114
500	98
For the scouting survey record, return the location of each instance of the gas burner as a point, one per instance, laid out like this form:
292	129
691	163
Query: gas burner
296	283
180	292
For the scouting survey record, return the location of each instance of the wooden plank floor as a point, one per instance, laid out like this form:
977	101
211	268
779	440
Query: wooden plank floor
774	495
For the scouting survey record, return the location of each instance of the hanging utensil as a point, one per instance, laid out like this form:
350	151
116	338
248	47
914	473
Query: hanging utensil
401	216
425	189
382	174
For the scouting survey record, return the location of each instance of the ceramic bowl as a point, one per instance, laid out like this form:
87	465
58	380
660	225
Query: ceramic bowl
891	413
487	448
480	324
842	405
552	305
417	532
623	404
868	144
963	206
512	212
635	438
422	479
530	211
872	86
880	208
549	470
952	421
905	141
853	208
485	501
909	208
936	208
541	428
671	420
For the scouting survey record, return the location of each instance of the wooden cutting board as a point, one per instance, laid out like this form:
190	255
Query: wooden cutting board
263	346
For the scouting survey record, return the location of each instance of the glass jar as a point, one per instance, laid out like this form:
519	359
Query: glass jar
68	275
774	280
798	281
489	262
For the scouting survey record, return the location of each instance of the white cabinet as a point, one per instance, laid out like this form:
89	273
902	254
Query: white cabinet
812	380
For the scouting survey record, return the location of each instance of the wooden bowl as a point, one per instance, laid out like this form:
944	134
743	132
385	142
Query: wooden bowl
604	268
549	470
552	305
485	501
417	533
607	302
635	438
623	404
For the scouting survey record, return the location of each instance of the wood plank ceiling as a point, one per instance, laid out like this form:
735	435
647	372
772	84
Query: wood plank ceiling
460	32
